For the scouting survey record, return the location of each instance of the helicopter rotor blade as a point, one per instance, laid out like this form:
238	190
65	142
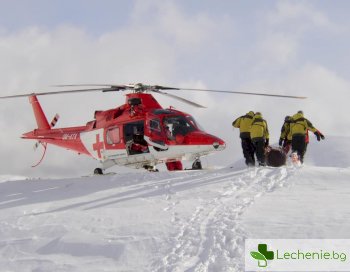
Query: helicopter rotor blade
139	87
126	86
111	89
179	98
89	85
248	93
158	87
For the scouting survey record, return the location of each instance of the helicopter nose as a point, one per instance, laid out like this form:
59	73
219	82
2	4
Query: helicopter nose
219	144
210	142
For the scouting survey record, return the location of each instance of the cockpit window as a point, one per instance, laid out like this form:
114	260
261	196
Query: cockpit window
154	125
194	123
112	136
175	125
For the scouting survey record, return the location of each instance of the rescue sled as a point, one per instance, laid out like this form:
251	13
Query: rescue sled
275	156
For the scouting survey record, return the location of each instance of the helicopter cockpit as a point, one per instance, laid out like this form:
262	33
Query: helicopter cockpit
178	125
169	125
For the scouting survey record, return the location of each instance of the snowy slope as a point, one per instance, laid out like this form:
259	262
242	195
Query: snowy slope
183	221
314	205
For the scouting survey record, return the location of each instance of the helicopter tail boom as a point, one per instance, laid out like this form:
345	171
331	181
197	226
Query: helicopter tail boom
40	117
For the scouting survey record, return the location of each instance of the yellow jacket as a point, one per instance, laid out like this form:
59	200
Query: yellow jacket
259	128
299	125
285	130
244	124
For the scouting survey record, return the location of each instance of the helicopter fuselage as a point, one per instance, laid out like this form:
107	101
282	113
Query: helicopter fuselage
138	134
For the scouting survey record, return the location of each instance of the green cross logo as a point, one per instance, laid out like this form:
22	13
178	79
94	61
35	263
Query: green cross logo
262	255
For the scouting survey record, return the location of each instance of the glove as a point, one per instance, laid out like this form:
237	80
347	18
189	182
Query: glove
280	143
267	143
321	135
318	135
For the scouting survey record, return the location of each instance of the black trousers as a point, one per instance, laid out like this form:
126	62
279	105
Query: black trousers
286	145
248	151
259	145
299	146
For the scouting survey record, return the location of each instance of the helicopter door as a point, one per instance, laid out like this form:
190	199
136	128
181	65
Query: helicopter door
134	138
155	134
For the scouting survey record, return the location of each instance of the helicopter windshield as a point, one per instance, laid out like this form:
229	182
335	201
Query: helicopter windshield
194	123
179	124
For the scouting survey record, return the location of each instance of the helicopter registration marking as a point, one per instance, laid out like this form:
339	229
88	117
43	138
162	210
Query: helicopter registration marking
70	136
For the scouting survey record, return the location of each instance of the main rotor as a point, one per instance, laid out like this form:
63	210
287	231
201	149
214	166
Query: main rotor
135	87
143	88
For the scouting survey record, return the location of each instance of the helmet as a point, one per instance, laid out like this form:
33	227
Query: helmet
258	113
300	112
287	118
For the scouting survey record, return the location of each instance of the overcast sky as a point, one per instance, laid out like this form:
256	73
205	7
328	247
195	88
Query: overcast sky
284	47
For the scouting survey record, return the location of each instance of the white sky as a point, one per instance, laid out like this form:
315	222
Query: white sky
284	47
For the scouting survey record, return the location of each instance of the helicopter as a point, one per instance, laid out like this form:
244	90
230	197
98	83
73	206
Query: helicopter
138	134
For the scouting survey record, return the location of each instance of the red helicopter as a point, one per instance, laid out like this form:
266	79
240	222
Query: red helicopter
138	134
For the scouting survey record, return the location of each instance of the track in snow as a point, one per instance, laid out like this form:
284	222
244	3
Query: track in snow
212	238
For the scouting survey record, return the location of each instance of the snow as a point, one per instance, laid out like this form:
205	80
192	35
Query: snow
171	221
315	205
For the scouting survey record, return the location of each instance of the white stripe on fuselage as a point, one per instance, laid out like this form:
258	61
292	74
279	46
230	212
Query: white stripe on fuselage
178	152
94	143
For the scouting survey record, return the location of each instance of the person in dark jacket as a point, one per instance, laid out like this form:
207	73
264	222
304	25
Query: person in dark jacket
286	137
244	124
298	127
259	133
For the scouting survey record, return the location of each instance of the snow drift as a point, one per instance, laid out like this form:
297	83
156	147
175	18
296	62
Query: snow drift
182	221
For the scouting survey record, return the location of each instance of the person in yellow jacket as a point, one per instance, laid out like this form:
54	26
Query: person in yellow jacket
286	136
298	128
259	133
244	123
